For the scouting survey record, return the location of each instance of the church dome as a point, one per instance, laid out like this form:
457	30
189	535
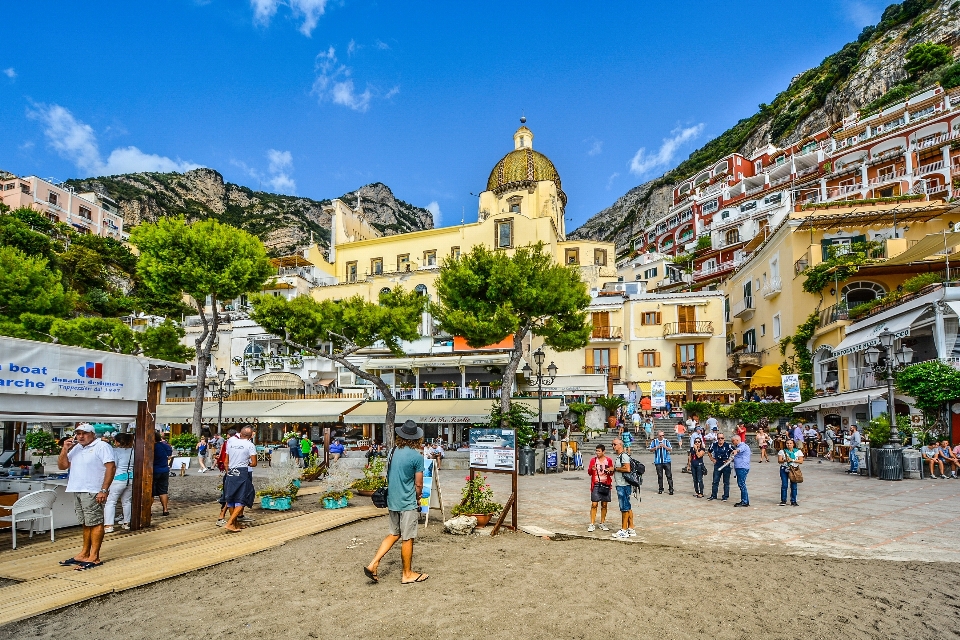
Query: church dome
522	167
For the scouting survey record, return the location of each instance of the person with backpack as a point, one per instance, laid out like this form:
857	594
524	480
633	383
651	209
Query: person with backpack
622	468
600	470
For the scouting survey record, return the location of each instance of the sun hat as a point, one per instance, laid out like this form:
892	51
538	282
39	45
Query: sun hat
409	431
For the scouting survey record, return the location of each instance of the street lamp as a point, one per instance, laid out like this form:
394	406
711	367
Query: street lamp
891	454
539	357
220	388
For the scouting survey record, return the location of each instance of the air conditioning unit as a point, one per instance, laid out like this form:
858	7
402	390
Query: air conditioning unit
346	379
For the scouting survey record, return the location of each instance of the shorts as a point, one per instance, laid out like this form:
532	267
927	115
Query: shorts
404	523
89	511
595	495
623	496
161	483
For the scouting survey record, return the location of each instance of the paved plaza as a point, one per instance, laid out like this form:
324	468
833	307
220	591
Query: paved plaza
839	515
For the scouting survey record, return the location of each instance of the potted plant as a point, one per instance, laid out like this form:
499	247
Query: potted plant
257	364
281	488
296	362
276	362
429	386
41	443
373	478
495	386
477	501
449	386
336	487
406	385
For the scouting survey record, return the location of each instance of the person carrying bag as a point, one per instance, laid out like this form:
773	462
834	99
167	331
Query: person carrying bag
790	459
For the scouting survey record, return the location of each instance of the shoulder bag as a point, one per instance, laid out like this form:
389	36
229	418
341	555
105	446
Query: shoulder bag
794	474
379	496
603	490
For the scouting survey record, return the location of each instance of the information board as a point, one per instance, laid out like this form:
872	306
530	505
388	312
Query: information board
658	394
791	387
493	448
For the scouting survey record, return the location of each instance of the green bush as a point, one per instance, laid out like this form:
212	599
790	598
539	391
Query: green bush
950	77
914	284
184	441
926	56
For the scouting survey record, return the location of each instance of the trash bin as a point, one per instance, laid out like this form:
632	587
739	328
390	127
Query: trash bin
912	466
890	463
527	462
538	460
553	461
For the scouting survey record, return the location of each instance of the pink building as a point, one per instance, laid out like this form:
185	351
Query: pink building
85	212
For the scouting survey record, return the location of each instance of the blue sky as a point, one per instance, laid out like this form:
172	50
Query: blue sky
317	97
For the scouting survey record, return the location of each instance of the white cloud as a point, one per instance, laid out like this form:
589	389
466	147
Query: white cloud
610	180
277	177
307	10
279	160
434	208
643	162
382	45
333	82
10	72
596	146
77	142
862	13
351	47
394	91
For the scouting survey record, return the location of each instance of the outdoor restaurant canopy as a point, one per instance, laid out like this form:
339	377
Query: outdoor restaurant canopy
866	336
443	411
674	387
766	376
262	410
934	244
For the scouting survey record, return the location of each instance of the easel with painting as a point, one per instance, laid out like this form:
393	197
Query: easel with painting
496	459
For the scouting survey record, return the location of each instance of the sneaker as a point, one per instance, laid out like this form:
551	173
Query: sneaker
670	492
221	522
783	503
604	527
632	533
108	529
620	535
591	528
125	526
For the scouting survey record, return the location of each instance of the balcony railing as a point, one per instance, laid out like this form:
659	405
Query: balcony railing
833	313
801	265
715	268
887	177
690	369
688	327
440	393
772	288
606	333
930	168
743	307
843	191
931	141
613	371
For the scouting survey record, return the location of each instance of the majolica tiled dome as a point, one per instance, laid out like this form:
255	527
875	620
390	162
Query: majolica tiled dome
522	166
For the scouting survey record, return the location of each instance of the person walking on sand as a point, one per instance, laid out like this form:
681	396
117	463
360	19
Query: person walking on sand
161	472
623	489
202	448
789	457
741	467
121	489
405	482
661	461
238	482
600	470
92	467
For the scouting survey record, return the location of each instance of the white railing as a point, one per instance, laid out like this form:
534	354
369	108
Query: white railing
780	181
743	306
887	177
843	190
773	287
440	393
931	141
712	269
714	188
756	189
807	171
930	168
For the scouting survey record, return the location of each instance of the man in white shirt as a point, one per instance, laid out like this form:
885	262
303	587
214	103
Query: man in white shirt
92	467
241	456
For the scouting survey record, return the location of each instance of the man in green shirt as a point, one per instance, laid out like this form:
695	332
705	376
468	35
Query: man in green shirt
405	486
306	444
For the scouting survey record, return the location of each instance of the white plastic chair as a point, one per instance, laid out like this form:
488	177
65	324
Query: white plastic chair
31	507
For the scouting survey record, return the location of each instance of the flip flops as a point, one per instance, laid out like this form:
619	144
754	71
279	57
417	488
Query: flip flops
420	578
69	561
83	566
371	575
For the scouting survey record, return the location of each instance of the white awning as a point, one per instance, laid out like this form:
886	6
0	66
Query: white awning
25	408
444	411
316	410
934	244
479	359
866	337
848	399
955	305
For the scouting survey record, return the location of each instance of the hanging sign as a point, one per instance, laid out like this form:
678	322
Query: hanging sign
658	394
791	387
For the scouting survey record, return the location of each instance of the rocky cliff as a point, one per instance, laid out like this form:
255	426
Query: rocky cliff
284	223
855	78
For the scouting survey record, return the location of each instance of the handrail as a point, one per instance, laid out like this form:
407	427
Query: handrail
606	333
688	327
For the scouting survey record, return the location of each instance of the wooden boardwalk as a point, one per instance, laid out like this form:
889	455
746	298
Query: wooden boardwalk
132	559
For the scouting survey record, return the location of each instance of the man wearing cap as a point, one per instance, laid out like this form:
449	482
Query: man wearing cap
92	467
405	486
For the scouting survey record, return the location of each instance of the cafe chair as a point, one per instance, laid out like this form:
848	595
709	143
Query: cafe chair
30	508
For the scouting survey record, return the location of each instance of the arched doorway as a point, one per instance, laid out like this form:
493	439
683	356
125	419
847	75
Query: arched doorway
279	382
861	292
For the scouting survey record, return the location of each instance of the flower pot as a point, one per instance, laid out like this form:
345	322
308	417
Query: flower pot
277	504
335	503
483	519
342	502
363	492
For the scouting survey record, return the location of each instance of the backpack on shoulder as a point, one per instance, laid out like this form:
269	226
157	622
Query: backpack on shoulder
635	477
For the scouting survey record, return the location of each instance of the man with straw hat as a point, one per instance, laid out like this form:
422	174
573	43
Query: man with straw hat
405	486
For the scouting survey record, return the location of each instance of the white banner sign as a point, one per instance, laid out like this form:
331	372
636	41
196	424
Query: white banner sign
42	369
658	394
791	387
493	448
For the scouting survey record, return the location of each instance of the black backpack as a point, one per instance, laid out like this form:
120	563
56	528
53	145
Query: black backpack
635	477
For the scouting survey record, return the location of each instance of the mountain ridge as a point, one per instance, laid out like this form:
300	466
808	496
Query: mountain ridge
284	223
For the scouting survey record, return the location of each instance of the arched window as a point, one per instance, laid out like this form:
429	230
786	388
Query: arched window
855	293
253	349
385	290
421	289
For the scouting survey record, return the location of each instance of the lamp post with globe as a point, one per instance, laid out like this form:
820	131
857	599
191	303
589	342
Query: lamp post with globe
220	388
539	357
891	456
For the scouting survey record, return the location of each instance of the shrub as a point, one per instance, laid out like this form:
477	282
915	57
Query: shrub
184	441
926	56
950	77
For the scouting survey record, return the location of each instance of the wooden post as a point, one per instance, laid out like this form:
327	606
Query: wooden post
326	447
143	442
